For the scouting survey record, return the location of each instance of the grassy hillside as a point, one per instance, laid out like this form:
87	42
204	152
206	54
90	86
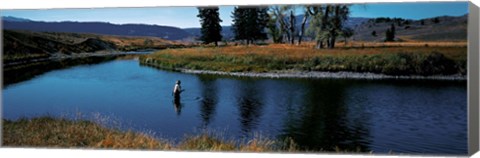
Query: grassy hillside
405	60
27	45
445	28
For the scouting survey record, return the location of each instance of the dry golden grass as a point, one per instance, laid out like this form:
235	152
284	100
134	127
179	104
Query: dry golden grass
301	52
205	142
62	133
49	132
125	43
138	41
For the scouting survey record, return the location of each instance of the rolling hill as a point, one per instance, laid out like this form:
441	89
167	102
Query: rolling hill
443	28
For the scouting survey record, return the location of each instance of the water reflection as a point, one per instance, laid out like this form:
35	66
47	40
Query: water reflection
177	105
23	72
250	105
320	124
209	101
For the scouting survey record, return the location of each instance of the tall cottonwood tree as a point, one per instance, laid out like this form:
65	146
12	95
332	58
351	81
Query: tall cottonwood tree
302	26
273	27
285	22
277	24
326	23
210	22
291	23
318	23
340	15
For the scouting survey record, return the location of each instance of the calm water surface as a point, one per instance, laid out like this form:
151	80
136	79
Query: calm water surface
400	116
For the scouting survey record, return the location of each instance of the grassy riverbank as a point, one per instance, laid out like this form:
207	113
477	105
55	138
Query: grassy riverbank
399	60
62	133
24	46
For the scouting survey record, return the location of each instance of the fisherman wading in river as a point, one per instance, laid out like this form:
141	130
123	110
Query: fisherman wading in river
177	90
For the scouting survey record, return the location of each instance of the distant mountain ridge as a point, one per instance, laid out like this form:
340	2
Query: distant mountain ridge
227	32
165	32
15	19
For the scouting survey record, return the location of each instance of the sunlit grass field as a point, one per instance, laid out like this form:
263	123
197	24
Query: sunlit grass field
399	59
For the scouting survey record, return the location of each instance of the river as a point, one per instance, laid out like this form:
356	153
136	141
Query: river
399	116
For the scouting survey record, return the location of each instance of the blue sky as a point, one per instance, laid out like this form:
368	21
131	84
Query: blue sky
185	17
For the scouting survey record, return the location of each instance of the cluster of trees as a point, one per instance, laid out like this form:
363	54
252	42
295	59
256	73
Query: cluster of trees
326	24
380	20
399	21
249	23
389	34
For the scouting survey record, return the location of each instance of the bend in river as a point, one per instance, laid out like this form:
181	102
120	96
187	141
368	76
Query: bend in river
402	116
